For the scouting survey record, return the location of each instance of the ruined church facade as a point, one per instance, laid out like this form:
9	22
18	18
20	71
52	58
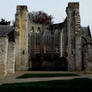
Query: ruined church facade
68	40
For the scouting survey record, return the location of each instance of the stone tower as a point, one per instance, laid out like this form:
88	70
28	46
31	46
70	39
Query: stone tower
74	38
21	32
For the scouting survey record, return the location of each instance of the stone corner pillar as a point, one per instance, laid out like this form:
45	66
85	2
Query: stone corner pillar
21	28
74	37
3	55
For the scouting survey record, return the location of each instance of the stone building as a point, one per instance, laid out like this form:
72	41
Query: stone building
56	46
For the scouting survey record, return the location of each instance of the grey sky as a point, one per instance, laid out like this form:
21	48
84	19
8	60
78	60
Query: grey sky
54	7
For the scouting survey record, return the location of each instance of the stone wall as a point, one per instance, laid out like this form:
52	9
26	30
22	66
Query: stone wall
11	58
70	31
61	45
65	40
33	32
17	54
89	58
3	55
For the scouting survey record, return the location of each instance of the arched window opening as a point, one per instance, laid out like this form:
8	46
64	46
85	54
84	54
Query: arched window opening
32	29
38	30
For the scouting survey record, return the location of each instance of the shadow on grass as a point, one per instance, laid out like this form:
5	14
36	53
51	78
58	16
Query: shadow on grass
74	85
47	75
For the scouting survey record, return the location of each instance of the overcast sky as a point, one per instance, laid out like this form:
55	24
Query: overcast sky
56	8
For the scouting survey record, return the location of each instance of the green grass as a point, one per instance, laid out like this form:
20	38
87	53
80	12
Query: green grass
47	75
74	85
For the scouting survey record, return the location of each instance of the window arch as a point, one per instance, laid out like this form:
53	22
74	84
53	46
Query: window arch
32	29
47	40
38	34
38	30
57	39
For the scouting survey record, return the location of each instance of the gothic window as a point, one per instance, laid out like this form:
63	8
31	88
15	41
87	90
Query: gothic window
32	30
47	40
23	52
56	36
72	52
57	39
47	28
38	37
38	30
32	41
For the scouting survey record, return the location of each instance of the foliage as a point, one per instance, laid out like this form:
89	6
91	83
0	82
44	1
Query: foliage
40	17
4	22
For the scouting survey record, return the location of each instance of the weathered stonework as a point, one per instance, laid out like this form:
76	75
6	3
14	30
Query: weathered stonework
11	58
74	37
22	29
3	55
89	58
71	37
66	42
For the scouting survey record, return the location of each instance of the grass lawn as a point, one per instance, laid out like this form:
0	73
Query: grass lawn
74	85
47	75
